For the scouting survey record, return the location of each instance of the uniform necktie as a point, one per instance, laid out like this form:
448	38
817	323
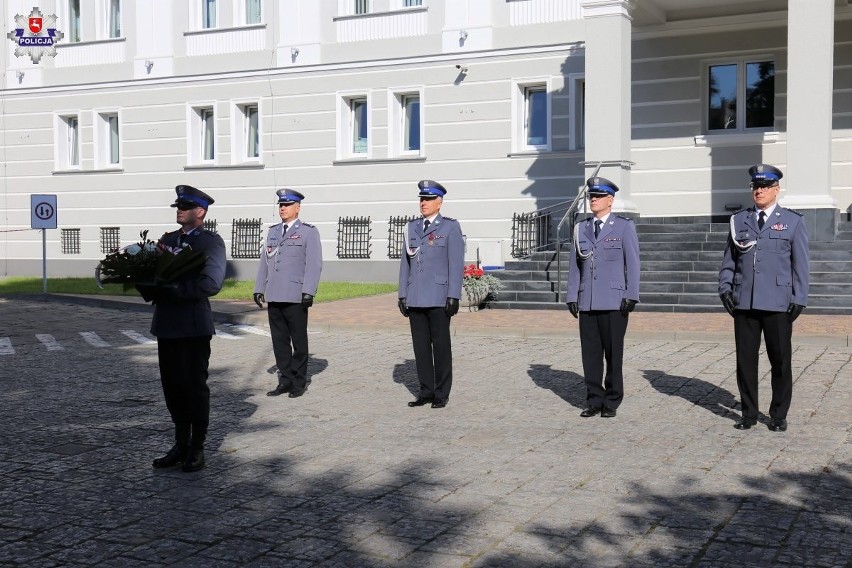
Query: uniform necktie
760	220
598	224
181	240
283	230
426	224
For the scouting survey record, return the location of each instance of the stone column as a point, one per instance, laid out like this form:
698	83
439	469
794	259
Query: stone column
807	180
608	94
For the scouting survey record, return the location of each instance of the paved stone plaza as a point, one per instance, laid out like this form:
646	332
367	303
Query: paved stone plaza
507	475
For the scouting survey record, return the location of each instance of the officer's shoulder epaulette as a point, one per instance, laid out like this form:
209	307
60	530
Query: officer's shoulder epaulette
738	212
307	225
449	219
794	211
625	218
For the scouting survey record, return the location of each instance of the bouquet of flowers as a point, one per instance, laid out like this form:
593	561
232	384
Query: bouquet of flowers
480	287
147	262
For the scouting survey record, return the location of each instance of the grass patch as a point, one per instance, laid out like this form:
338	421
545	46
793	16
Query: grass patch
231	290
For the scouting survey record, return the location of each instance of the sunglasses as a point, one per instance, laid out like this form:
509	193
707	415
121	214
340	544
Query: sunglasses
186	206
759	186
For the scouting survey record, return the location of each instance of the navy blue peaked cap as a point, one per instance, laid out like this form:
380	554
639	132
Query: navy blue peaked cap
191	195
287	196
601	186
431	189
764	174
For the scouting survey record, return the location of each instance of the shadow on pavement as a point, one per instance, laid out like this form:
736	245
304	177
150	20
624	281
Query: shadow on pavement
406	374
568	386
695	391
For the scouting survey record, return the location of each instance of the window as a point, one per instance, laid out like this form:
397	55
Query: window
67	142
358	126
245	143
531	115
74	21
70	241
107	140
577	112
114	19
406	123
110	239
408	3
361	6
208	14
252	11
740	95
201	134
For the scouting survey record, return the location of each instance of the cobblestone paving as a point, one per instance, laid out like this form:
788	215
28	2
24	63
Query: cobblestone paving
507	475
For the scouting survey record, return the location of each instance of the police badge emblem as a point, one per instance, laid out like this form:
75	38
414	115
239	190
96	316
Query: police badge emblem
35	35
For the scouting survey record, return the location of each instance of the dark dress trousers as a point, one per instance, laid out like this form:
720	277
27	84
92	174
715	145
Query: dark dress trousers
598	283
765	278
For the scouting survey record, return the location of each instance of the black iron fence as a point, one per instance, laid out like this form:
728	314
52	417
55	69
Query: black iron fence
110	239
396	234
353	237
246	238
210	225
70	241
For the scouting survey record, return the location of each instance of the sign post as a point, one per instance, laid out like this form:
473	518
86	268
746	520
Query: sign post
43	216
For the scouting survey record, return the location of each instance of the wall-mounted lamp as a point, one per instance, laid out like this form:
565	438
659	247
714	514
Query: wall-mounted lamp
462	35
148	65
20	75
294	52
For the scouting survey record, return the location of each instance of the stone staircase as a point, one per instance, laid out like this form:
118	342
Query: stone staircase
680	260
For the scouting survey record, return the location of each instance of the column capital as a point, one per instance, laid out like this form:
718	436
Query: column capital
602	8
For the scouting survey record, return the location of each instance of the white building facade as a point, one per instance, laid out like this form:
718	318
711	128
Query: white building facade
508	103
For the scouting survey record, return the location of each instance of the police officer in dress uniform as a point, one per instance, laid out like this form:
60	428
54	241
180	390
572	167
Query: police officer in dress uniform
763	284
431	270
603	288
287	278
183	326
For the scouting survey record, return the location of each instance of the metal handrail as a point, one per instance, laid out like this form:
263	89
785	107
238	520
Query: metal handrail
569	214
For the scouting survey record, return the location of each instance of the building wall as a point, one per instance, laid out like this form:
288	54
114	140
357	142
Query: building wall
299	64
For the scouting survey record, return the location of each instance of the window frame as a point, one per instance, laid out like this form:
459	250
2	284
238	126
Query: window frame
741	63
354	4
74	25
103	138
577	111
239	131
397	121
196	133
203	24
346	125
110	22
520	91
64	149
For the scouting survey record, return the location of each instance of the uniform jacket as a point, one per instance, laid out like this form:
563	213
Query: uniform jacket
290	265
774	272
611	272
431	266
183	309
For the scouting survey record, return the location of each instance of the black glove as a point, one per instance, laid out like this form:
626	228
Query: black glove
147	291
259	299
452	306
403	307
307	300
794	311
728	302
574	309
627	306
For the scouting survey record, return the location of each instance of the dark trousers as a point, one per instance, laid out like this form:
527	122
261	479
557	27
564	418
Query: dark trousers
602	338
433	353
777	332
288	323
183	374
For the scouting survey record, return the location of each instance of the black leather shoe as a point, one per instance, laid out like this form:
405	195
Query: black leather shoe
439	403
745	423
195	460
591	411
297	393
607	412
420	401
174	456
279	390
777	425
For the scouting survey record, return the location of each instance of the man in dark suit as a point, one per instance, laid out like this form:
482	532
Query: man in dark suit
431	270
287	278
183	326
603	288
763	284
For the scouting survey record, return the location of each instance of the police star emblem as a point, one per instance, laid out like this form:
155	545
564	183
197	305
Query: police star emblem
35	35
